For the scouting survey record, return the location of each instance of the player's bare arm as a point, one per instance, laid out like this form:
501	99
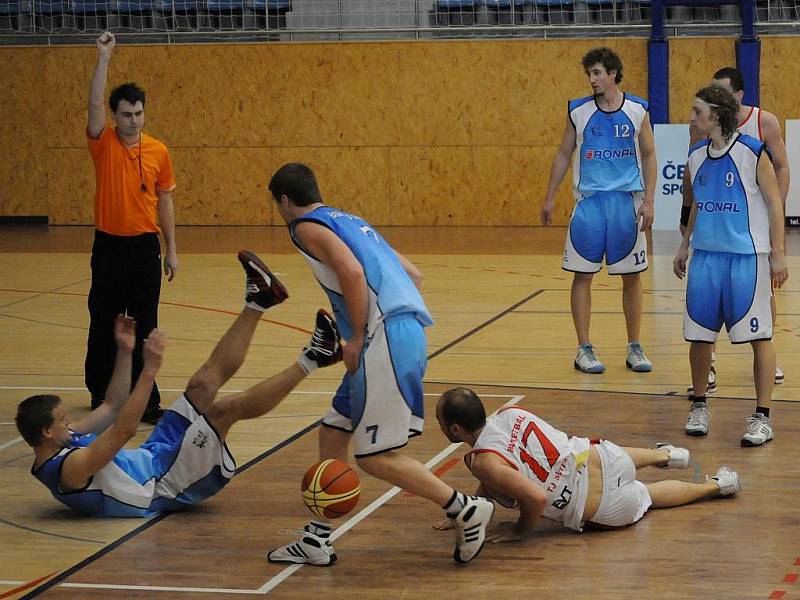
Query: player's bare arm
768	185
119	385
166	221
97	112
83	463
333	252
495	474
771	131
647	147
558	171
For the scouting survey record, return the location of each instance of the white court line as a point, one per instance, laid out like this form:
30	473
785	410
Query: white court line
10	443
157	588
364	513
9	582
290	570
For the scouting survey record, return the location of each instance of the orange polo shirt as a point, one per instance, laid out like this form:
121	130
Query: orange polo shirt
120	205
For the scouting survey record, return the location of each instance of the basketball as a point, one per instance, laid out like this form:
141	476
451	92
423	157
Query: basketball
330	489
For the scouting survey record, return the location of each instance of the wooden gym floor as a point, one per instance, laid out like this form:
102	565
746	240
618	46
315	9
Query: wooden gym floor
501	305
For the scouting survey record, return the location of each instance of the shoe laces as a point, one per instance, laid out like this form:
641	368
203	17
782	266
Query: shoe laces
252	288
588	352
755	423
638	352
320	344
698	414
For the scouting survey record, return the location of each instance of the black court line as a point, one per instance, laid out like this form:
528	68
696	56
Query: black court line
43	532
475	330
157	519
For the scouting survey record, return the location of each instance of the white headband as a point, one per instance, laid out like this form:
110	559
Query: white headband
706	103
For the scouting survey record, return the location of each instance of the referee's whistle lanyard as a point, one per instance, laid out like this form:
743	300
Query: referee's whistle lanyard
143	185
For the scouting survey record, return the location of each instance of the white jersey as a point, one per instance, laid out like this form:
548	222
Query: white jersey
732	215
751	125
545	455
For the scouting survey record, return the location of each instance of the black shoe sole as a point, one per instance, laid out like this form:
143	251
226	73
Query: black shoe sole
749	444
696	433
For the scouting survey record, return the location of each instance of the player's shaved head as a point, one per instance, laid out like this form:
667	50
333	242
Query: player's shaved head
462	406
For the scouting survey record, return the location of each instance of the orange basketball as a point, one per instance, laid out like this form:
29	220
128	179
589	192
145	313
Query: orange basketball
330	489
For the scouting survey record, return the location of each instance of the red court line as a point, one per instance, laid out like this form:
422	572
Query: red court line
777	595
446	466
206	308
797	561
790	578
25	586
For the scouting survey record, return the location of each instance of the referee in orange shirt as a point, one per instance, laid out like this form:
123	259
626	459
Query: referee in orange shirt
134	183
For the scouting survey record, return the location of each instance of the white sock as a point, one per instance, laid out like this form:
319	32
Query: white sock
455	505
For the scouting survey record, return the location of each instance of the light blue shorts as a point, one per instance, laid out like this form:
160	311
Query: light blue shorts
605	225
728	288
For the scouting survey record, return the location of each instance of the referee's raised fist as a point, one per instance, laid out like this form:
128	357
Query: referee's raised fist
105	42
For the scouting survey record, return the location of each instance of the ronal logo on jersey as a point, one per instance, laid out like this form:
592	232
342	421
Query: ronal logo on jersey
610	154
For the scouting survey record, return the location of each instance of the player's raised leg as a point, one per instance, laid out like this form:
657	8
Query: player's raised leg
262	290
323	349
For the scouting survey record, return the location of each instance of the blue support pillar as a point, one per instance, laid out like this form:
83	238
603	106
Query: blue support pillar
748	55
658	65
658	80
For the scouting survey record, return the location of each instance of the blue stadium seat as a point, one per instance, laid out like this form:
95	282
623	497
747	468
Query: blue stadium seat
49	14
10	13
456	12
505	12
276	6
555	12
89	7
270	14
9	8
225	6
90	15
135	6
179	15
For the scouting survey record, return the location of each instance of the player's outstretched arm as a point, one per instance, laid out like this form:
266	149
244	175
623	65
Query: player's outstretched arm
80	465
558	171
493	473
768	185
97	112
120	384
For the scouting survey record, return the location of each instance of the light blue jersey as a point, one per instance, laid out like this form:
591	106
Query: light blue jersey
391	291
732	215
182	463
607	157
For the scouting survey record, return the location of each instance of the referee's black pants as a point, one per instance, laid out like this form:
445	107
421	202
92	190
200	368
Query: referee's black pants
126	277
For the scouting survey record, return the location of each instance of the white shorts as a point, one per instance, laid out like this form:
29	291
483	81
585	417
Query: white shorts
733	289
382	404
604	225
191	462
625	500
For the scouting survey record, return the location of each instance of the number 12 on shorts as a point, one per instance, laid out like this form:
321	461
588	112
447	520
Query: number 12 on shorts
374	430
